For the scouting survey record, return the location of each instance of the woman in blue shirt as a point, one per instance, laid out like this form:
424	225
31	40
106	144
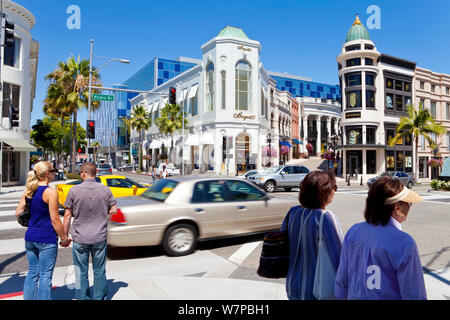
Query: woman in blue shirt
302	222
379	261
43	230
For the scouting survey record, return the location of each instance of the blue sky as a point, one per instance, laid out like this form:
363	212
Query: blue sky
297	37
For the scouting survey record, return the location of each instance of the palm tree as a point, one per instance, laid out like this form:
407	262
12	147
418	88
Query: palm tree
169	121
140	122
419	122
70	92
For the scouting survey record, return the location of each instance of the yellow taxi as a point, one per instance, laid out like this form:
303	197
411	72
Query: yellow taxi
120	187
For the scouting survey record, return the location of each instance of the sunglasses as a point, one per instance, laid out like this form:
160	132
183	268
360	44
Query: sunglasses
52	171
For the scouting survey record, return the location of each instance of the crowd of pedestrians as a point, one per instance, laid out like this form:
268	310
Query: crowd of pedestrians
375	259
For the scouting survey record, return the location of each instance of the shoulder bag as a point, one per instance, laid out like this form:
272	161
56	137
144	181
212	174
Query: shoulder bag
25	216
325	275
274	260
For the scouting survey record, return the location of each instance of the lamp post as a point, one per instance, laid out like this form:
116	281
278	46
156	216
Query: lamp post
269	153
90	79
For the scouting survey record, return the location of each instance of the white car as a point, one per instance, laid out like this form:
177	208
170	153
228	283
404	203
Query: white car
171	170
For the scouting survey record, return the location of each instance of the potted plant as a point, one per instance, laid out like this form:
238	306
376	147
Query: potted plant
309	147
435	162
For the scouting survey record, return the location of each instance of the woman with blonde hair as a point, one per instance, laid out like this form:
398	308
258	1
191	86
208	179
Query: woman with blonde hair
43	230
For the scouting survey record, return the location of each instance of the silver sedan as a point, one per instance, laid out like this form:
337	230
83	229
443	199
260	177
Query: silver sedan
177	212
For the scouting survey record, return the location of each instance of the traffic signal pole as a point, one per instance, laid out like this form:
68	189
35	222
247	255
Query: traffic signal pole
90	90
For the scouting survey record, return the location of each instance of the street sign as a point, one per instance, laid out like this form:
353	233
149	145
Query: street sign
102	97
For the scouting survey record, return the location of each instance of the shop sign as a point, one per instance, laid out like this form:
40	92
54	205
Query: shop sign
352	115
240	115
241	47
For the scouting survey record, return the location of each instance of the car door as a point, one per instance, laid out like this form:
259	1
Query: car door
290	177
120	187
212	209
254	210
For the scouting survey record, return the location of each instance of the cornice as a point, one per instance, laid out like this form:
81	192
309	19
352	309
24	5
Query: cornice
19	10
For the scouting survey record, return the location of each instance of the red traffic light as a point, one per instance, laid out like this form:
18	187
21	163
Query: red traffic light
79	150
91	123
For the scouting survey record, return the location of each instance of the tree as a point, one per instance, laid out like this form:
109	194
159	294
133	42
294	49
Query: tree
140	121
171	120
69	91
418	123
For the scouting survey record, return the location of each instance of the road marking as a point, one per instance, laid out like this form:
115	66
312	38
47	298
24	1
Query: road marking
10	225
10	246
7	213
11	205
243	252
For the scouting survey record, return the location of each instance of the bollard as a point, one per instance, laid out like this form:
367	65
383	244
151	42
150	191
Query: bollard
361	182
348	181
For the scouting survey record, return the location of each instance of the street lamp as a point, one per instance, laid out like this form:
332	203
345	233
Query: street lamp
90	77
269	152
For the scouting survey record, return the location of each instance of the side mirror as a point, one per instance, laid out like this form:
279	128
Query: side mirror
134	190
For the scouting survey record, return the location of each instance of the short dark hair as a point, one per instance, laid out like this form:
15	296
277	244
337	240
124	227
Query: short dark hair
376	211
315	189
89	168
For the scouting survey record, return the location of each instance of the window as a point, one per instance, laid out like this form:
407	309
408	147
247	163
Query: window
354	135
352	48
242	191
370	99
11	93
408	162
433	88
447	90
433	109
287	170
368	61
243	86
353	79
399	85
389	101
368	47
118	183
210	87
390	160
407	86
408	140
370	135
371	158
160	189
399	103
209	191
223	78
389	83
389	135
447	111
448	140
422	85
194	104
12	54
354	99
400	161
300	169
370	79
353	62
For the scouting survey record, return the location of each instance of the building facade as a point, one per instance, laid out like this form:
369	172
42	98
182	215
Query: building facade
376	88
18	76
432	91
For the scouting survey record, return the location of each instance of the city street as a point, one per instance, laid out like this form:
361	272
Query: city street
229	260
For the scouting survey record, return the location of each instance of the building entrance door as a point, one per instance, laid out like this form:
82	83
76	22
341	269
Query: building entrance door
353	167
242	153
10	168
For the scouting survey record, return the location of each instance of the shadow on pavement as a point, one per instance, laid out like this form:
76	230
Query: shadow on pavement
11	260
67	292
13	284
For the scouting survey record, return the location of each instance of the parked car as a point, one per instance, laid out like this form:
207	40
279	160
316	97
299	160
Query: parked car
406	179
286	177
250	173
171	170
177	212
104	169
120	187
128	167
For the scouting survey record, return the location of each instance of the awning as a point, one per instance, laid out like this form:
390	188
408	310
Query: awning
193	91
297	141
144	145
184	94
192	141
164	102
207	138
150	108
155	144
285	143
18	145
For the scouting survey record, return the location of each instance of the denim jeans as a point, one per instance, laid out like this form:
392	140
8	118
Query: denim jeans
41	263
81	254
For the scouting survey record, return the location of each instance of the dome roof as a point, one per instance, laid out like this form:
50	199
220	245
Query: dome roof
357	31
230	31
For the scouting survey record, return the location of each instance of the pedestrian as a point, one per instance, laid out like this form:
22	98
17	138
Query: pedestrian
60	171
153	172
89	203
302	223
164	172
379	261
44	228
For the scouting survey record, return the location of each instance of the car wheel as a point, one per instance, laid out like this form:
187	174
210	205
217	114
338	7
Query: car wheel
409	185
180	240
269	186
288	189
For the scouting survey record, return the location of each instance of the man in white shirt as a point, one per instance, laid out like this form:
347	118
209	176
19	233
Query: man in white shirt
164	173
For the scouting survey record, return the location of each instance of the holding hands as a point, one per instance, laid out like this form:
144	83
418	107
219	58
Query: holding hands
65	242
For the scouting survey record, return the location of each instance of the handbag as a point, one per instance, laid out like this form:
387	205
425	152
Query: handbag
25	216
325	275
274	260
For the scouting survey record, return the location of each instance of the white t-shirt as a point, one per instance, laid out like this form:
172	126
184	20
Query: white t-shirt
164	174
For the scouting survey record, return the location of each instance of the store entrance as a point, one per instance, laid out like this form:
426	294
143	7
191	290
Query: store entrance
10	168
242	153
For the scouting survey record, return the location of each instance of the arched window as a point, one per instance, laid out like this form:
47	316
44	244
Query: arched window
210	87
243	86
223	77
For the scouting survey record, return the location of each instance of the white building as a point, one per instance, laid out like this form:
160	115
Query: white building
376	88
18	74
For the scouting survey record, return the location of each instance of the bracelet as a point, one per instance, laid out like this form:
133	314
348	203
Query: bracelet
65	240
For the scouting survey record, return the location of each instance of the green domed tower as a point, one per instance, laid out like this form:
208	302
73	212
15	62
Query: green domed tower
357	31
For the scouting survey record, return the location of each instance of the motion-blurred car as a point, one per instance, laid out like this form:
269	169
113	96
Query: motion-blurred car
120	187
286	177
127	167
177	212
103	168
406	179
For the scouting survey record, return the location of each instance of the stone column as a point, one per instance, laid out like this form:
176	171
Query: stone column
329	127
319	136
305	130
336	126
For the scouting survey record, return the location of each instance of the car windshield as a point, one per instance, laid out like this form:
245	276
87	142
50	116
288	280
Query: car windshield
274	169
97	179
103	166
160	190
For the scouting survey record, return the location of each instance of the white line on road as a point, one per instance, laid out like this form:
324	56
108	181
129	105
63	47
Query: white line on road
243	252
8	213
12	245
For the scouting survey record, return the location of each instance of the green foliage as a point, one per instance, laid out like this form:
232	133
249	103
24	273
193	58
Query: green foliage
440	185
140	122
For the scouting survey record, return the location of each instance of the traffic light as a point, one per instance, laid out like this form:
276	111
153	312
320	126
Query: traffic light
90	128
82	150
91	150
79	150
172	95
8	33
13	115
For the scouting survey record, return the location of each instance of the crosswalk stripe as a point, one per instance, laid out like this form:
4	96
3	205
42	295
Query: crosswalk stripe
243	252
7	213
10	246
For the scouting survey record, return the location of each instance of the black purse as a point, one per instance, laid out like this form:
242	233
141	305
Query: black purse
25	216
274	260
